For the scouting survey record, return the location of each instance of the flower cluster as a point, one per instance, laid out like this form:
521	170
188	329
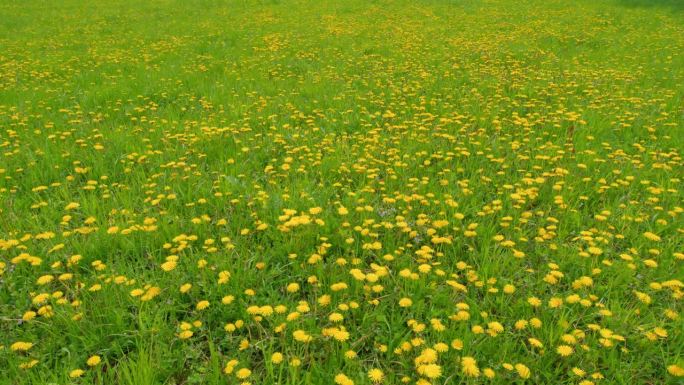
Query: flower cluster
342	192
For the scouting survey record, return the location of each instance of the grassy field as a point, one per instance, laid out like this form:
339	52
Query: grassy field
341	192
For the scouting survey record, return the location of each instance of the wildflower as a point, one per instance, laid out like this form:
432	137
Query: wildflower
151	293
340	334
72	206
431	371
93	360
595	250
21	346
243	373
523	371
227	300
441	347
224	277
185	334
230	366
169	265
28	365
405	302
675	370
342	379
469	367
536	323
301	336
376	375
564	350
652	237
277	358
45	279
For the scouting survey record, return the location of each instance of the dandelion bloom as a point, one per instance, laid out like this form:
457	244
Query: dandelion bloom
376	375
21	346
93	360
676	370
564	350
651	236
243	373
342	379
405	302
523	371
185	334
277	358
469	367
431	371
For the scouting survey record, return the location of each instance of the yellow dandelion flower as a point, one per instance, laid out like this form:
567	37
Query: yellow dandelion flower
376	375
651	236
277	358
675	370
243	373
564	350
431	371
342	379
185	334
405	302
168	265
93	360
523	371
230	366
469	367
21	346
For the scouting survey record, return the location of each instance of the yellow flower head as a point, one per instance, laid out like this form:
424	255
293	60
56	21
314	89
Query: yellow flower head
93	360
376	375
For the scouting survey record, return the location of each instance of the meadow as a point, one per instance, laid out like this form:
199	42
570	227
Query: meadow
341	192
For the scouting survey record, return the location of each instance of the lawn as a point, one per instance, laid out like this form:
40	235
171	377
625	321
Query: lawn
341	192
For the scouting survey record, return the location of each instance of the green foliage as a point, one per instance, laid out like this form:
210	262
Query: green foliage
319	192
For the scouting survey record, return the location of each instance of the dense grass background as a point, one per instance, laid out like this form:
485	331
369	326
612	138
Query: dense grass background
163	118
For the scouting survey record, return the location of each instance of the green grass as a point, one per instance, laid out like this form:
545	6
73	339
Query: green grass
474	145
